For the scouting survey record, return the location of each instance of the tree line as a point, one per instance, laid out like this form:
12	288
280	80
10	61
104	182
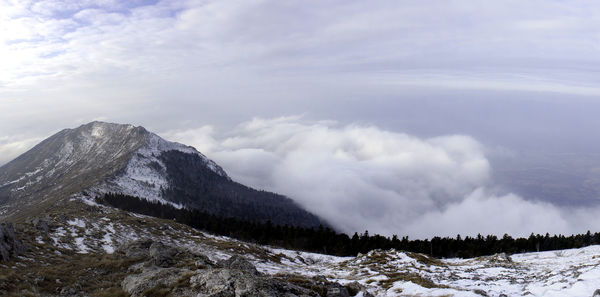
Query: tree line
327	241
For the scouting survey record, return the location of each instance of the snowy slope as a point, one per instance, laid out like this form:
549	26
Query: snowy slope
99	158
146	175
95	158
574	272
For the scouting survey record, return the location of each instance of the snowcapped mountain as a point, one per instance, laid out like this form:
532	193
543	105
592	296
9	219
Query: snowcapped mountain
65	244
99	158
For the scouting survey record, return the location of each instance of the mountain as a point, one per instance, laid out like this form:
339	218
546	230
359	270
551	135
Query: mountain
60	242
99	158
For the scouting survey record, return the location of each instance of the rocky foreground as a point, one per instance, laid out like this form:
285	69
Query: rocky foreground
61	255
81	249
151	268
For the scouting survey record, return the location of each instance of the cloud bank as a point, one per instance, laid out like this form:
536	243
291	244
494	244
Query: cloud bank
364	178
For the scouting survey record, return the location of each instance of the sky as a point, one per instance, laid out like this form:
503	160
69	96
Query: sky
411	117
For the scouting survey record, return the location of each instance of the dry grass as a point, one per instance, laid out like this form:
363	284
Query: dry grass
248	249
408	277
47	270
304	282
426	260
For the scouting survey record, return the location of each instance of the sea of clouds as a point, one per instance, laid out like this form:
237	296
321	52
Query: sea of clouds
360	177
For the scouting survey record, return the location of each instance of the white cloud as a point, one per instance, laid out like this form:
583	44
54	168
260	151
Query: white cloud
364	178
11	148
174	64
140	60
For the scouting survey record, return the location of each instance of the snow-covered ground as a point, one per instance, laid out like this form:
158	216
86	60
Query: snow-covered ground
574	272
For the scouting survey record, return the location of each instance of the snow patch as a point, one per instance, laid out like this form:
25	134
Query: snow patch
107	241
77	222
60	232
82	248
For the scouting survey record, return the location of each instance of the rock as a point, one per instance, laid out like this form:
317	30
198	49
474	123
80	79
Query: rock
321	279
151	278
42	226
505	257
10	245
136	249
337	290
70	292
224	282
159	275
203	262
596	293
162	255
240	263
354	288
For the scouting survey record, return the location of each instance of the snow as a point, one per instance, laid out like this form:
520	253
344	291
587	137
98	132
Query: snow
107	241
60	232
77	222
83	249
145	175
24	176
159	145
574	272
565	273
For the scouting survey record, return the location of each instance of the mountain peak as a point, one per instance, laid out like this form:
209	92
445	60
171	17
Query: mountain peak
96	153
100	129
98	158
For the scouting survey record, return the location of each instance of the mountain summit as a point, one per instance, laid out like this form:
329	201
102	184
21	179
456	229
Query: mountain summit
99	158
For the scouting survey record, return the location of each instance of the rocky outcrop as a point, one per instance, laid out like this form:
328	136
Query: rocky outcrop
162	255
10	245
234	282
166	270
152	278
238	262
41	225
135	249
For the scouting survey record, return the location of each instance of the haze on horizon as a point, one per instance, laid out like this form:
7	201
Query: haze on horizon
400	117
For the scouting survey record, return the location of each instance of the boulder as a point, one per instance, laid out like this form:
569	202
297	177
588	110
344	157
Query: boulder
151	278
10	245
224	282
354	288
337	290
136	249
162	255
239	263
42	226
596	293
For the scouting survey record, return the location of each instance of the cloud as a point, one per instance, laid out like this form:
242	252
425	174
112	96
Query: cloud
196	62
364	178
10	148
404	65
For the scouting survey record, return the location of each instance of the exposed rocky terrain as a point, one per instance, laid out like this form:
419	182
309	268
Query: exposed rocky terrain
91	250
108	252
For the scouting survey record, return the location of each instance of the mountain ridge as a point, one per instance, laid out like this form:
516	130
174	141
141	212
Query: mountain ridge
98	158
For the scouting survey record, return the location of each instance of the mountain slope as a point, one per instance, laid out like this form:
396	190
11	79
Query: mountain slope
81	249
99	158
